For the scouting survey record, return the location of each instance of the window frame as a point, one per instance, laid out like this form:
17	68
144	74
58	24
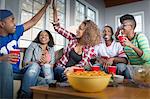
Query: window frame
134	14
87	5
46	23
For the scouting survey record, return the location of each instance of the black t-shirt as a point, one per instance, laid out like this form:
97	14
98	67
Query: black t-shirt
74	58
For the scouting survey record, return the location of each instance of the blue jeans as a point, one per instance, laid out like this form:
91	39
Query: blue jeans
31	77
121	70
6	80
48	73
59	74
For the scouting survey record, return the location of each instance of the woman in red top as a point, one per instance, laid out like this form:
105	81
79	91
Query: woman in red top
80	48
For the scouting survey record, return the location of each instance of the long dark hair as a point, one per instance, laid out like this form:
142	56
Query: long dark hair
51	40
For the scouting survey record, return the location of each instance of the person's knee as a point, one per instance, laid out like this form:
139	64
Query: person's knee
5	65
121	67
58	71
6	68
57	68
33	69
34	66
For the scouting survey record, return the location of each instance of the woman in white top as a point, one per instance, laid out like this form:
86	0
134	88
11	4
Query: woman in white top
110	53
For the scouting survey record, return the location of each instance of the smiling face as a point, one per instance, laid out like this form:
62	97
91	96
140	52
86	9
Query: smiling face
9	25
44	37
107	33
80	31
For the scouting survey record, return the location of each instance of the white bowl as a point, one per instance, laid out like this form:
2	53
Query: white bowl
118	78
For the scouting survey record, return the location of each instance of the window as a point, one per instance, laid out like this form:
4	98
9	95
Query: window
79	13
91	15
139	17
29	9
61	8
84	11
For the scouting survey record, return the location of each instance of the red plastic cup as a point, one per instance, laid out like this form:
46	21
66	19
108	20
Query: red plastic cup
78	69
95	68
15	52
121	39
112	69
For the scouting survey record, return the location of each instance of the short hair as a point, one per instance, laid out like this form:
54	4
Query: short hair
51	40
128	17
91	35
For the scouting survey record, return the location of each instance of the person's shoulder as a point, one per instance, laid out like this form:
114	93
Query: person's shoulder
141	36
138	34
99	45
19	26
33	44
117	44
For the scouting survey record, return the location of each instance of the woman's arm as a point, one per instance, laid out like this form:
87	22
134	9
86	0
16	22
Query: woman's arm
144	46
29	54
68	35
136	49
29	24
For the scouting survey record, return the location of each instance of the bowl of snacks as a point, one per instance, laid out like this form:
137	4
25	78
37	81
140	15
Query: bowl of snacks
141	75
88	81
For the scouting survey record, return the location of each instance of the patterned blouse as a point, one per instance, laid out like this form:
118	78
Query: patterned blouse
87	54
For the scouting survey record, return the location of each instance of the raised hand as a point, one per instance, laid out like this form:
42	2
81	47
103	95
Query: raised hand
55	16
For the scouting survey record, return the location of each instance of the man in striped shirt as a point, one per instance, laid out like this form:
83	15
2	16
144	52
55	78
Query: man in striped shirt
136	45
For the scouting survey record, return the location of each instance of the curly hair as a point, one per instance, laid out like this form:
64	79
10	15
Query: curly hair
91	35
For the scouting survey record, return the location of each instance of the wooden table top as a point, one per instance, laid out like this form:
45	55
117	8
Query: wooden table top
121	92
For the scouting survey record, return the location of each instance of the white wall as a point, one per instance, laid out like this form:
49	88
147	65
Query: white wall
99	5
111	12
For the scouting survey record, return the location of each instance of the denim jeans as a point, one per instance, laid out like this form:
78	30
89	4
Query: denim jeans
6	80
31	73
48	73
31	77
59	74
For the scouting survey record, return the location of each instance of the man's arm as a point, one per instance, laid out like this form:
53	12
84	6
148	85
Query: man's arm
136	49
29	24
120	60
